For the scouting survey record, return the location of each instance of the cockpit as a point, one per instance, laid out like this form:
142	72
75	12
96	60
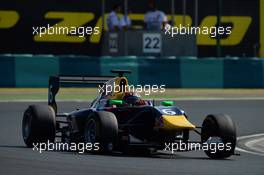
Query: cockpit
116	93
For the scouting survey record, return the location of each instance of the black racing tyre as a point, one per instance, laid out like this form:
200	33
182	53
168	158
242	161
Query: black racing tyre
219	126
38	125
101	128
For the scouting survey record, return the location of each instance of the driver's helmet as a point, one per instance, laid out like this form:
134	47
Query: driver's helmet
132	98
119	88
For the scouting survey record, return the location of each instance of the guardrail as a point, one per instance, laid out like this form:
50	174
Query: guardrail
179	72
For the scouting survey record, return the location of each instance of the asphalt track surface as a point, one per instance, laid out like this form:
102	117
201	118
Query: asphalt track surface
16	159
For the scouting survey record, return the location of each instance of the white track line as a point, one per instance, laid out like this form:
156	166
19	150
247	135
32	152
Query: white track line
250	143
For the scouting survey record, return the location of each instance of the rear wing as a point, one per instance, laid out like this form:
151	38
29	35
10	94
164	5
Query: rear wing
55	82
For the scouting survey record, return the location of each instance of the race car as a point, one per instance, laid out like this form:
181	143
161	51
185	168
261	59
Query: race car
120	120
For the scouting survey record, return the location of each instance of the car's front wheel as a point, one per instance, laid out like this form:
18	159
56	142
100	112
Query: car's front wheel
219	133
101	128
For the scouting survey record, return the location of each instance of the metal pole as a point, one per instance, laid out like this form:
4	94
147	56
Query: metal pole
196	11
172	12
218	39
103	16
184	12
125	8
196	18
125	33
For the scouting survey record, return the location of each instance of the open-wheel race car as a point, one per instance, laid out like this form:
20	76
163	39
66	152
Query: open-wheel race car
121	121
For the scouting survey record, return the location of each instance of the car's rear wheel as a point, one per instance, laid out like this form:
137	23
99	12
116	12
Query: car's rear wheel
219	129
101	128
38	125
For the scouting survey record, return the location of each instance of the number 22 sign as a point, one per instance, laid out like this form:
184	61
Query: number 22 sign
151	43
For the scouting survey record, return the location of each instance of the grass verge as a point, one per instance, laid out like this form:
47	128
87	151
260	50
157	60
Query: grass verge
15	94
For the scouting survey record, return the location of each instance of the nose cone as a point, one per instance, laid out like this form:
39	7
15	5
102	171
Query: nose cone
176	122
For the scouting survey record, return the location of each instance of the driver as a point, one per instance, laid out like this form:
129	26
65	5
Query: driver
121	92
132	98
